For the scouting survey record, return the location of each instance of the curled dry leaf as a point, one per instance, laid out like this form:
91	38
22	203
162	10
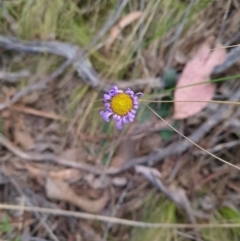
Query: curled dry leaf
119	181
60	190
69	175
196	71
147	171
116	30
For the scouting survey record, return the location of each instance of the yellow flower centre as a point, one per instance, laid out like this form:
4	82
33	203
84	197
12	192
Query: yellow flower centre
121	104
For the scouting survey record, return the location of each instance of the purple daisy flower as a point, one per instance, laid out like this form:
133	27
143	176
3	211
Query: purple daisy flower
120	105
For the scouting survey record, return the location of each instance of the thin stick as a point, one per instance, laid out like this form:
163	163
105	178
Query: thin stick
218	158
205	101
226	47
88	216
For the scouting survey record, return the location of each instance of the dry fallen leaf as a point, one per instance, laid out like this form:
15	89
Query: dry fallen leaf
31	98
124	153
116	30
24	139
197	70
60	190
74	154
149	143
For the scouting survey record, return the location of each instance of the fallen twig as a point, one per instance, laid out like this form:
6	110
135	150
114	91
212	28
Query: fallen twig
13	77
126	222
82	64
31	111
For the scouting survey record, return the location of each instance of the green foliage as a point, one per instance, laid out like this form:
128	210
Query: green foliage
159	211
170	78
5	226
224	215
167	134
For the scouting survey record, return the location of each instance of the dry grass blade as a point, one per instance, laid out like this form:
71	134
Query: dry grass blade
126	222
218	158
31	111
189	101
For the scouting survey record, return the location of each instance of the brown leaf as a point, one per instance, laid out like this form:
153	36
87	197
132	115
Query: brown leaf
60	190
116	30
74	154
197	70
149	143
24	139
125	152
31	98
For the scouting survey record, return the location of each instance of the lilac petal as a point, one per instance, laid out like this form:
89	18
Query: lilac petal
113	91
129	92
125	121
139	93
106	97
107	105
131	115
133	111
135	98
119	124
131	120
136	107
105	115
118	117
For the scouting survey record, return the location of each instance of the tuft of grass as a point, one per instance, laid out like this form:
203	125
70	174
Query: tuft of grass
157	210
223	215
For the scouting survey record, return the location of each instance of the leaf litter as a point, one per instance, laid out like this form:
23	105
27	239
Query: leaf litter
52	184
198	70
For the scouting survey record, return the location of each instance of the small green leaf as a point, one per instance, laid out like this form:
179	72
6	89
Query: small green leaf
170	78
5	226
167	134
